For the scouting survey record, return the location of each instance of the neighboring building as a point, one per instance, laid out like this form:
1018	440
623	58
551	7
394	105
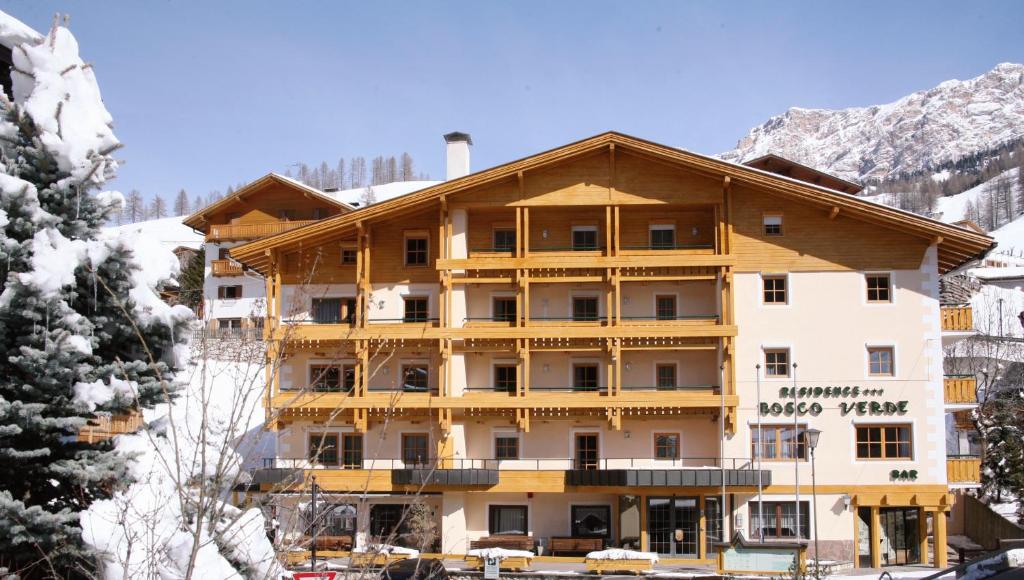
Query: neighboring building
599	341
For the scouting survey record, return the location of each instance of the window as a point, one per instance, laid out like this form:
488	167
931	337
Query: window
348	310
772	224
779	519
351	451
665	307
506	447
774	289
584	308
229	326
505	378
223	253
591	521
504	308
319	213
666	377
331	520
415	309
229	292
584	238
880	361
663	237
504	240
326	310
879	288
584	377
323	448
414	448
884	442
414	378
348	378
666	445
776	362
387	521
416	250
285	214
325	378
778	442
507	520
349	256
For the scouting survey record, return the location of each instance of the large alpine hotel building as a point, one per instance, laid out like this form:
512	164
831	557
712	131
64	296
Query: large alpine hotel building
620	340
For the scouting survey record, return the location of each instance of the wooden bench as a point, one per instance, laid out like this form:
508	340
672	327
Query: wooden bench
339	543
570	544
507	542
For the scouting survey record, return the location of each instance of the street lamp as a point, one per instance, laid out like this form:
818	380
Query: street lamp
812	436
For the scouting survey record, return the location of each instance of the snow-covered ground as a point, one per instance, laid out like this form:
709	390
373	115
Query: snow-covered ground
380	192
170	232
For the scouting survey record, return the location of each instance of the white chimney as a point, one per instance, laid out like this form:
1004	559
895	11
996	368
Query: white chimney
457	155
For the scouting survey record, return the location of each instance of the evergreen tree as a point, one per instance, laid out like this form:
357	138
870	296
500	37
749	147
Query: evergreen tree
68	312
191	281
181	203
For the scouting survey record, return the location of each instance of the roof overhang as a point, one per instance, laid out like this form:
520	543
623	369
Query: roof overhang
956	245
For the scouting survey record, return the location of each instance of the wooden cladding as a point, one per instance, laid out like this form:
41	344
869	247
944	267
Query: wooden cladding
957	319
960	390
963	470
253	231
225	268
104	427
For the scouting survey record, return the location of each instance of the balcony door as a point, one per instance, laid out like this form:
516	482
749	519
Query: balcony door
588	453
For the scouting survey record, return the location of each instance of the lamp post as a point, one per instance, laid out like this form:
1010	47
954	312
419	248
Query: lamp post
313	519
812	436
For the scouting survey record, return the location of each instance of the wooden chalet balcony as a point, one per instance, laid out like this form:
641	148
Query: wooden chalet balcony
957	319
963	470
254	231
106	426
569	259
960	389
225	268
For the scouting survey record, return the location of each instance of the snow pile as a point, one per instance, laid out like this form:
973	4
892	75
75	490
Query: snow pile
386	549
499	553
620	554
60	93
148	530
169	232
994	565
14	32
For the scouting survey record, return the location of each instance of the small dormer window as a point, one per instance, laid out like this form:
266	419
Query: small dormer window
772	224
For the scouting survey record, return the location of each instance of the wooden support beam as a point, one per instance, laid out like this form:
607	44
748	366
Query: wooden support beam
834	212
939	531
876	538
526	232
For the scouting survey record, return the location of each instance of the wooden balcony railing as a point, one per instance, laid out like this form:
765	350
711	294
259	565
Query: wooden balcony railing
960	389
963	469
225	268
957	318
237	232
106	426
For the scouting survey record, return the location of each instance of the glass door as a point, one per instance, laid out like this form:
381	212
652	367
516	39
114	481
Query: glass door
900	545
587	452
673	526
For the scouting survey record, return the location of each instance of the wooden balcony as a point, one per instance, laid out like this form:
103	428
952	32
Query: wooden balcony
225	268
957	319
106	426
255	231
569	259
960	390
963	470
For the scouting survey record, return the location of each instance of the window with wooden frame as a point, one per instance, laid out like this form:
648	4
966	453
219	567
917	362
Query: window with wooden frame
415	378
584	309
879	288
416	309
665	375
777	442
774	289
229	292
772	223
506	446
504	240
351	451
776	362
591	521
507	520
881	361
779	519
349	255
885	442
223	253
415	448
662	236
666	445
665	307
505	378
503	308
585	377
325	378
416	249
319	213
584	238
323	448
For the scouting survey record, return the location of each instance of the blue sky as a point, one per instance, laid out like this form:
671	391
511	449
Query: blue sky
207	94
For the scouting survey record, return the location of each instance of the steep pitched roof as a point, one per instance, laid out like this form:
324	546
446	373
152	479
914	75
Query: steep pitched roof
198	219
956	245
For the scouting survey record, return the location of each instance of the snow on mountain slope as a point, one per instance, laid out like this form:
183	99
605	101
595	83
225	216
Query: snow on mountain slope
380	192
170	232
952	120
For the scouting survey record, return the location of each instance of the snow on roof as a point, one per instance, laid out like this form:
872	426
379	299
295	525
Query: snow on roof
14	32
170	232
380	192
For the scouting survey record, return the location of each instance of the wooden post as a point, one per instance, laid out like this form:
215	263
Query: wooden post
519	232
608	249
364	362
618	366
526	232
617	228
702	543
922	534
939	529
876	538
643	524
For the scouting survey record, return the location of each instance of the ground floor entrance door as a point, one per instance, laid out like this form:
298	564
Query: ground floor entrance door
673	525
897	539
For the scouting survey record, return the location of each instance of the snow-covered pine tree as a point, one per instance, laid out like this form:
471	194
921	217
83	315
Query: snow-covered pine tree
72	307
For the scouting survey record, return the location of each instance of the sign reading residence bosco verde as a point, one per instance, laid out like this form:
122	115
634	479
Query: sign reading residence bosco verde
814	407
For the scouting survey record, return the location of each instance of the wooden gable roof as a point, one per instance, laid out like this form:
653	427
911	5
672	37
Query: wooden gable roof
956	245
789	168
199	220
